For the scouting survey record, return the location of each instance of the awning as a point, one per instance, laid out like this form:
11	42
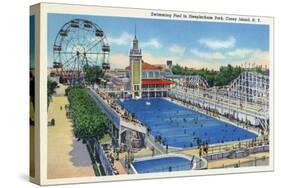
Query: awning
156	82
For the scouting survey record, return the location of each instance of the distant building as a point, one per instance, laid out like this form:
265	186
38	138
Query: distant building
119	79
146	80
66	76
169	63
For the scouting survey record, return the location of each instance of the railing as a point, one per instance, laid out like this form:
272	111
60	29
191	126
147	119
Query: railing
134	126
236	152
114	116
155	89
111	114
150	142
97	154
256	161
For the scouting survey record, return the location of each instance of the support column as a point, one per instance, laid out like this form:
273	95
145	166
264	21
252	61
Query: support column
119	136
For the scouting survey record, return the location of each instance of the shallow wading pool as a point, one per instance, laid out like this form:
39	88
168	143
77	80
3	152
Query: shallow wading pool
162	164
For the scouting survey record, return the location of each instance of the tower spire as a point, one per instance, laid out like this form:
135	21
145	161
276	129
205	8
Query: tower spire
135	52
135	31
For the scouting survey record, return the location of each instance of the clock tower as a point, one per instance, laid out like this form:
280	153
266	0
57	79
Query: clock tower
136	68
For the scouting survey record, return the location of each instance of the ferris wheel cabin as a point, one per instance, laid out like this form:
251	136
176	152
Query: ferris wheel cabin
57	65
63	33
105	48
57	48
88	24
105	66
99	33
74	23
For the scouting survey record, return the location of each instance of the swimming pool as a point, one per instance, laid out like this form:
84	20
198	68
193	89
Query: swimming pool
163	164
178	126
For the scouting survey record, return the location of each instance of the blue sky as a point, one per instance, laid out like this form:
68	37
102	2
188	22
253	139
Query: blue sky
188	43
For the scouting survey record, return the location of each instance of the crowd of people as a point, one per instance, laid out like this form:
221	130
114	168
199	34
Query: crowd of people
123	113
245	124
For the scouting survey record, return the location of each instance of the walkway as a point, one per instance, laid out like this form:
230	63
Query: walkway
119	167
230	162
66	156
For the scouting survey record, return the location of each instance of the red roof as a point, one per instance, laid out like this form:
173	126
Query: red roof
156	82
147	66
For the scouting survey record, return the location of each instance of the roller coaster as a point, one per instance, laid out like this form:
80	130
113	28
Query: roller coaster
245	98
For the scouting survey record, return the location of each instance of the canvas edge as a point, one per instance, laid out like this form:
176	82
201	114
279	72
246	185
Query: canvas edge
41	177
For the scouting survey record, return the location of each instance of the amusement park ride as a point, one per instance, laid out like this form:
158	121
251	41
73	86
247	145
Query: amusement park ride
79	42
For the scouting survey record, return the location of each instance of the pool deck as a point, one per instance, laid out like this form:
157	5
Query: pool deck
146	153
229	162
119	167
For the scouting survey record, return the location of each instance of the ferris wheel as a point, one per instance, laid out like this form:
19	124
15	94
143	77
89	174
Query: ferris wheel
78	43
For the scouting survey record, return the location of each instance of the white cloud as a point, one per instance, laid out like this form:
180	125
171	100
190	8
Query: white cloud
122	61
207	55
262	56
218	44
187	62
256	56
126	38
244	53
153	59
123	39
207	60
151	43
241	52
199	64
177	50
118	60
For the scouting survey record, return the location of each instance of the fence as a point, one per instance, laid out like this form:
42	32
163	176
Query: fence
236	153
256	161
97	153
219	148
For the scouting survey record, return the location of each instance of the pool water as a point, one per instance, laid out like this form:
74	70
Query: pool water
165	164
180	126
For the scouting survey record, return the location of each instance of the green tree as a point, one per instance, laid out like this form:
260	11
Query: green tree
89	121
214	78
51	86
93	73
